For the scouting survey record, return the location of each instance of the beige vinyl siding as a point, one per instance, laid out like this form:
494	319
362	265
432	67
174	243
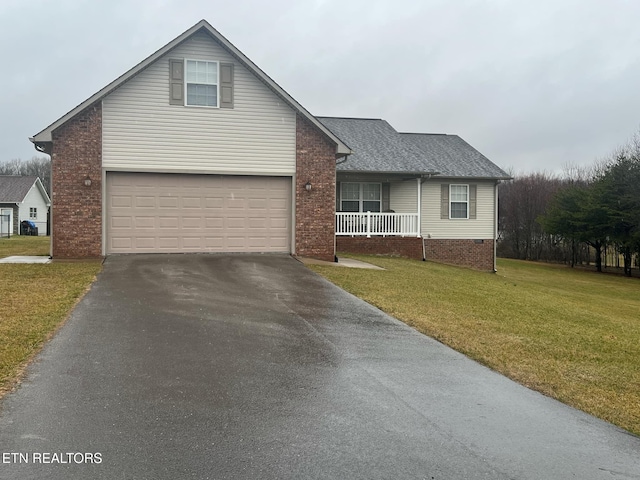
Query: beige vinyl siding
480	228
403	197
143	132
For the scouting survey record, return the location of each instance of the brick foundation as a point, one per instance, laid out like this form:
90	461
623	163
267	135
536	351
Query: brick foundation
465	253
315	209
410	247
76	208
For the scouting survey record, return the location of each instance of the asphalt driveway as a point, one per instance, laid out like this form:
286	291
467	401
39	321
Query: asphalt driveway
210	366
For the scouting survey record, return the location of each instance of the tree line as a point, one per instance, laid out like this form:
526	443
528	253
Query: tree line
576	216
38	166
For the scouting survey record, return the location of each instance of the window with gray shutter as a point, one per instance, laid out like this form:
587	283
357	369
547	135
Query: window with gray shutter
473	192
226	85
386	196
176	81
444	201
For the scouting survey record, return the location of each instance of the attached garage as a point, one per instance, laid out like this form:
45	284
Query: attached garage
171	213
146	165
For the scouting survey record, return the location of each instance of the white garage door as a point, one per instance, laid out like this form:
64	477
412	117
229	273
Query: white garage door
149	212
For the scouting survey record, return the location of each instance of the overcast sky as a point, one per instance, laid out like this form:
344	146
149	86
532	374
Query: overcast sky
533	85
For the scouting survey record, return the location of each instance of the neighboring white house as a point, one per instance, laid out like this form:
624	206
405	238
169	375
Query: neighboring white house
22	198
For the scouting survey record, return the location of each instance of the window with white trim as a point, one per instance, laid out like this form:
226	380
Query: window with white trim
459	201
360	197
202	83
33	213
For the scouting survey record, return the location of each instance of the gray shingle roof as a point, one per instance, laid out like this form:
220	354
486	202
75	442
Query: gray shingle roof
14	188
378	147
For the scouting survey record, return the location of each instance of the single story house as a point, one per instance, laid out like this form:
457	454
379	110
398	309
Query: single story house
22	198
196	149
418	195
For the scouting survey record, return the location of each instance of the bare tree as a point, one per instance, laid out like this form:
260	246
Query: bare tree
522	201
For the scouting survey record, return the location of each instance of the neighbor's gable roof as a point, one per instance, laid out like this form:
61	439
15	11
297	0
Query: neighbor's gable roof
14	188
379	148
45	135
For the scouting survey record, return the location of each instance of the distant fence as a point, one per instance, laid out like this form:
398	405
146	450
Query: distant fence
612	257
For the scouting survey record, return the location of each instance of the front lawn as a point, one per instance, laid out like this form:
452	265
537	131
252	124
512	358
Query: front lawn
35	300
572	335
24	245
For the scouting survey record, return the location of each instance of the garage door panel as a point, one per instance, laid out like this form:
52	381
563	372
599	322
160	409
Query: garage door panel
168	202
177	212
122	242
145	201
144	242
168	223
145	222
121	222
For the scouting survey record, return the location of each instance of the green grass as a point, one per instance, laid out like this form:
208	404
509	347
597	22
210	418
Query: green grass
35	300
24	245
572	335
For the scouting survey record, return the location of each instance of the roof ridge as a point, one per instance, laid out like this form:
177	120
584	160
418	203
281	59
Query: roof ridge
427	133
352	118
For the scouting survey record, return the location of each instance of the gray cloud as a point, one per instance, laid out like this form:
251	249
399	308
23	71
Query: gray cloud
532	85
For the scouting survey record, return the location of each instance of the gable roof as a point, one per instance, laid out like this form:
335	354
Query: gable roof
44	136
379	148
453	157
14	188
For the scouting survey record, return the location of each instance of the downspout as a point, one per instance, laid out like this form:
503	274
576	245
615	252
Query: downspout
495	229
421	180
419	183
47	149
335	237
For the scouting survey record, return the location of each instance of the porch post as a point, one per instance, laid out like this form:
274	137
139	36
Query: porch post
368	224
419	182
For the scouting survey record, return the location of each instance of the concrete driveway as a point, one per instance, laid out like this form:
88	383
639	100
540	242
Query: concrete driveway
207	366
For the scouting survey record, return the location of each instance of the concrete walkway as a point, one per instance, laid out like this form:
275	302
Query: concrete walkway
342	262
25	259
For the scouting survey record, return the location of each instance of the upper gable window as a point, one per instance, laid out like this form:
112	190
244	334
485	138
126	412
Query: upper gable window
202	83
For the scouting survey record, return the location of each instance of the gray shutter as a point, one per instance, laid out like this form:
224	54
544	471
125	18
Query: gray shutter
386	194
473	193
176	82
444	200
226	85
337	196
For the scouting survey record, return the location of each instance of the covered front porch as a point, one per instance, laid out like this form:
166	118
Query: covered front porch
378	205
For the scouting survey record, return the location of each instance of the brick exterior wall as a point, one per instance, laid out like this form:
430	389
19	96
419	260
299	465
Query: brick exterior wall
410	247
76	208
465	253
315	209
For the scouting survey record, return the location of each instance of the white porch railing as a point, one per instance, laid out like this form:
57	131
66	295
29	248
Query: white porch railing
372	223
